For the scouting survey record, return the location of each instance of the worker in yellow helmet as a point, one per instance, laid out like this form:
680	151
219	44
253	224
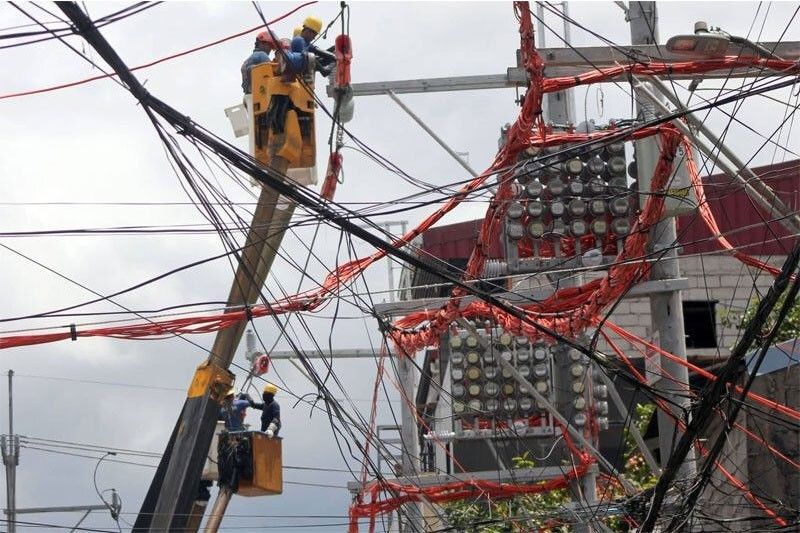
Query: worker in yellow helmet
297	31
296	57
270	411
232	411
311	28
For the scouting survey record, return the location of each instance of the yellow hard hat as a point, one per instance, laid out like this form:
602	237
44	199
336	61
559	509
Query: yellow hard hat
297	31
313	23
269	388
231	392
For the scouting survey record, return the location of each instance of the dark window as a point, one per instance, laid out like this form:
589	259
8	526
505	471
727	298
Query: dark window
700	322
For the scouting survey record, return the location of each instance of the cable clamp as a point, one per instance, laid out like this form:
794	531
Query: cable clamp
73	332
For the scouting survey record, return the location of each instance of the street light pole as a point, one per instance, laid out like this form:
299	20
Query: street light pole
10	449
666	308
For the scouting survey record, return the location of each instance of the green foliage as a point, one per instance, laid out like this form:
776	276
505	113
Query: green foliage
789	329
536	511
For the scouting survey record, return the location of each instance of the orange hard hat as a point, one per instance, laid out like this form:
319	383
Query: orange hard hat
267	37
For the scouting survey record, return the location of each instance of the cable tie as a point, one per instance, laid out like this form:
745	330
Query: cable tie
248	311
73	332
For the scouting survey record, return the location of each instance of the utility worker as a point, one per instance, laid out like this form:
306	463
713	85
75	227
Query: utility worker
301	43
266	42
270	411
233	411
310	29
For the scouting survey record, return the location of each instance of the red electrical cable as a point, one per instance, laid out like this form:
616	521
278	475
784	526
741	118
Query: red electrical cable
157	61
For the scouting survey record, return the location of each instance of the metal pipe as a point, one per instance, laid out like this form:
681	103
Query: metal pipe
666	309
433	135
218	511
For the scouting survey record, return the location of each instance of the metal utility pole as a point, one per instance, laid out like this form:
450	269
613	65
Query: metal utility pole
666	308
409	437
10	449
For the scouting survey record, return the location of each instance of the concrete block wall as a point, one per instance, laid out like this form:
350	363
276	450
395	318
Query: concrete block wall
718	277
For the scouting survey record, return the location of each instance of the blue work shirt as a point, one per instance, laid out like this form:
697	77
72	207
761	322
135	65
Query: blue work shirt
270	412
295	56
233	414
256	58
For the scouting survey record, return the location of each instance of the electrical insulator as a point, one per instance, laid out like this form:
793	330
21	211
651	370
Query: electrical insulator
456	358
597	185
490	372
577	370
602	408
475	405
525	404
596	166
579	403
574	354
508	388
524	370
559	228
515	210
473	357
578	387
488	357
472	341
577	207
578	228
539	353
506	339
473	373
491	388
534	189
599	227
510	405
457	373
458	390
621	226
575	187
541	387
536	229
574	166
515	231
597	207
602	423
523	356
492	405
455	342
579	419
617	166
474	389
601	391
535	208
557	209
556	186
619	206
540	371
618	185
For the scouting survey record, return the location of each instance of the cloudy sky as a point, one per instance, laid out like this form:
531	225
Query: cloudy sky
72	158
